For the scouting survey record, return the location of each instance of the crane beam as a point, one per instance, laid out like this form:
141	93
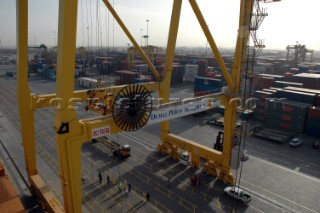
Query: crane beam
133	41
171	46
47	100
26	114
212	43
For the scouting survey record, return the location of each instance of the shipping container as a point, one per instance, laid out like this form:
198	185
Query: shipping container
283	106
260	83
282	84
314	112
296	96
288	126
207	86
262	94
191	71
125	77
88	82
309	80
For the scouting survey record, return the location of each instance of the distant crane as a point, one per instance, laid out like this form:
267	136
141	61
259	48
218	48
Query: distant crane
299	53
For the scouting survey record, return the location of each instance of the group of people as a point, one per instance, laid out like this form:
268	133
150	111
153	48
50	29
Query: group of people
127	187
121	185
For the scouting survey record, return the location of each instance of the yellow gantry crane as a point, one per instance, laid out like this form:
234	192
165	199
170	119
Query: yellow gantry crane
72	132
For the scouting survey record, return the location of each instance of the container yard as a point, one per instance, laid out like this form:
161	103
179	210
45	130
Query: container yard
88	124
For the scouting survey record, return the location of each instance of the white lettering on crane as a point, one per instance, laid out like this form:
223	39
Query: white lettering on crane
181	110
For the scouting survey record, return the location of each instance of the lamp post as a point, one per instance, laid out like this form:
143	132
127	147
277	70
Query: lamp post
55	38
147	32
207	44
141	37
35	39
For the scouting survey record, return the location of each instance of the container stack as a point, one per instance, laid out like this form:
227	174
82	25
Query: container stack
203	65
191	71
125	77
309	80
260	111
262	82
141	68
177	74
108	67
303	97
312	127
311	91
286	115
282	84
205	86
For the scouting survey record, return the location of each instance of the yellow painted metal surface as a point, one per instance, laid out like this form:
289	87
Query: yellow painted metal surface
232	95
47	100
133	41
211	42
26	115
68	143
71	132
48	199
194	148
171	46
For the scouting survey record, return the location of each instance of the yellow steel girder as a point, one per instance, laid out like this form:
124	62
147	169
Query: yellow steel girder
71	132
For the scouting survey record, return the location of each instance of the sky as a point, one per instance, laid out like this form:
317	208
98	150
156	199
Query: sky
287	22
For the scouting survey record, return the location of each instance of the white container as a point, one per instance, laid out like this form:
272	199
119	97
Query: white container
191	71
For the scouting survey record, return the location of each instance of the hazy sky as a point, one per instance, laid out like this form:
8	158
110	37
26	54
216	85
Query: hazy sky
288	21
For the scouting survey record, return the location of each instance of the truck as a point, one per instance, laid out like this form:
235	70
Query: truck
271	134
122	151
218	120
237	194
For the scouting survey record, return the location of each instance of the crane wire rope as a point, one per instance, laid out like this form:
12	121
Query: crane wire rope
241	148
82	32
243	140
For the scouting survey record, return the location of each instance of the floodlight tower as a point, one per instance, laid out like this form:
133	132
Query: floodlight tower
147	32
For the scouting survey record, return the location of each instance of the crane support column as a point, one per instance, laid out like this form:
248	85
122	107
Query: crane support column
171	46
70	134
232	96
23	90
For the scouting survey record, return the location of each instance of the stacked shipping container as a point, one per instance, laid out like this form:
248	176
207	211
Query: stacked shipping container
259	113
312	126
286	115
204	86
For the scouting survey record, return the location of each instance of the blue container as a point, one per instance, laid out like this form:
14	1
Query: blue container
207	84
139	80
311	131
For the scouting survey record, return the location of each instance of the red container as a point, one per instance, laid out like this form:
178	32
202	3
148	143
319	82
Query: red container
263	83
314	112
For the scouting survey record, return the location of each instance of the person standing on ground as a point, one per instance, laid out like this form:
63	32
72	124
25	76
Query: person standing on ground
127	190
148	197
108	179
129	187
100	177
120	186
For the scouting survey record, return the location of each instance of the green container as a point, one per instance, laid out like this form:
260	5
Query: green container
313	123
287	126
285	106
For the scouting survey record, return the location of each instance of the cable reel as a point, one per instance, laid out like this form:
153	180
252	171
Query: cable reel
132	107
